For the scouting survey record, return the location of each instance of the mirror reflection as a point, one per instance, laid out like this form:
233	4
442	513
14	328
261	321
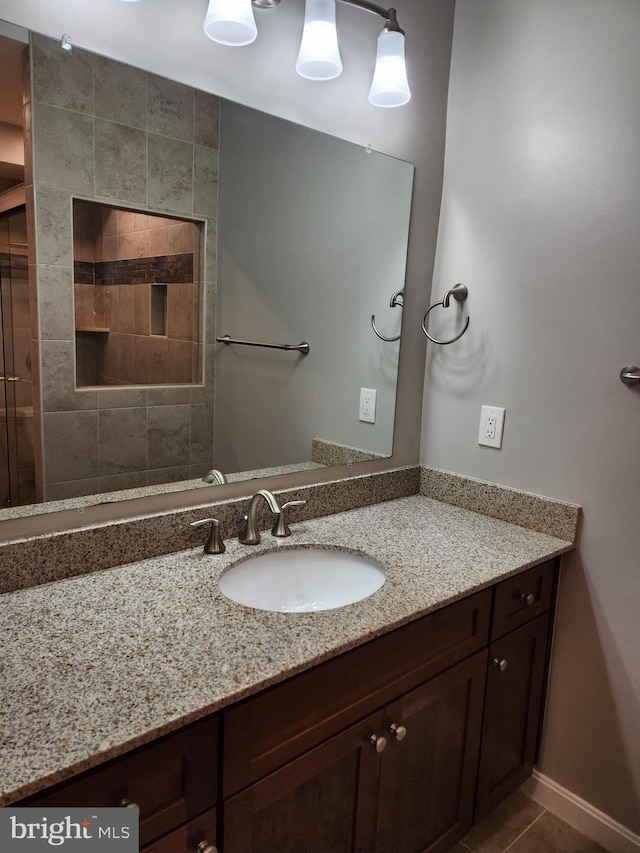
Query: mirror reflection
303	237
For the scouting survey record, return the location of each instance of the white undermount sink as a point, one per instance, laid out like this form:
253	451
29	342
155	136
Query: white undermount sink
299	580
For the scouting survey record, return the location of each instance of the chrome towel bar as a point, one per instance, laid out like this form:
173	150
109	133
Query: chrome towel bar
459	293
303	347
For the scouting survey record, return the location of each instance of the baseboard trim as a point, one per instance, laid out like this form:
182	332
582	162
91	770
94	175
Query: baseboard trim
584	817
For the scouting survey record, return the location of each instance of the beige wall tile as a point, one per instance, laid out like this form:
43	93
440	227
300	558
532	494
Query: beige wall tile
170	178
205	197
168	396
123	440
57	365
134	244
180	311
56	302
125	308
141	309
61	78
120	161
63	150
201	434
207	119
168	436
70	445
141	360
53	211
120	92
158	360
170	108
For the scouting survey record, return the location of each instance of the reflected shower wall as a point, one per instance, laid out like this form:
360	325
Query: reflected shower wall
17	473
137	289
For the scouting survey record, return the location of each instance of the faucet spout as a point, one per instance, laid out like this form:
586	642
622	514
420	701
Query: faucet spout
250	535
215	476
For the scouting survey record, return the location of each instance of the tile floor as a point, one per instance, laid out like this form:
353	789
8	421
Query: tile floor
520	825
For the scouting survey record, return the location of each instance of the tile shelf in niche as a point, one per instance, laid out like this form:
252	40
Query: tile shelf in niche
93	329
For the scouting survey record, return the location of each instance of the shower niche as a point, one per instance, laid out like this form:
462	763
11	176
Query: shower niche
138	297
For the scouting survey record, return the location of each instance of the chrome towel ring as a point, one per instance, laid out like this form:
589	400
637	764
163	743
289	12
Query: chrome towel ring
459	293
397	299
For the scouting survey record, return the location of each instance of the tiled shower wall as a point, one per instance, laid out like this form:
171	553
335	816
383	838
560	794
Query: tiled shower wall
137	305
107	132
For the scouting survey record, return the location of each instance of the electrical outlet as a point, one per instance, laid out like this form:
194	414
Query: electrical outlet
368	405
491	426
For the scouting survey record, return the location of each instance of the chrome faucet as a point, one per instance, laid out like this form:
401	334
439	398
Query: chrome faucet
250	535
215	476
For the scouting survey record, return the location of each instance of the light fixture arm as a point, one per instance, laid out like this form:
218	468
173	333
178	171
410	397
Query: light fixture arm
389	15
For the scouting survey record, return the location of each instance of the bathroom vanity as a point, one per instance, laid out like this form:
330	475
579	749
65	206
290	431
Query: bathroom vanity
389	725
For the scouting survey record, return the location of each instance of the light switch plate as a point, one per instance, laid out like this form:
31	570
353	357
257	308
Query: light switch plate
491	426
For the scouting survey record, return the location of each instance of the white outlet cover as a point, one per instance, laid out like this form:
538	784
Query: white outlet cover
491	437
367	411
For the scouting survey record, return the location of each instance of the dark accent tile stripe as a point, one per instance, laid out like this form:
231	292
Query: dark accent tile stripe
159	269
84	272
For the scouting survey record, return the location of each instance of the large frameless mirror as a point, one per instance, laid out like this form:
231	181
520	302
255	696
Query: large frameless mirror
298	237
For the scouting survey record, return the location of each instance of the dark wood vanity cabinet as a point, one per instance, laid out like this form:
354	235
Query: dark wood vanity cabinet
396	746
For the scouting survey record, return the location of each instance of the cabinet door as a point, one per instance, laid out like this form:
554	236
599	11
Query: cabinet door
323	801
429	769
515	682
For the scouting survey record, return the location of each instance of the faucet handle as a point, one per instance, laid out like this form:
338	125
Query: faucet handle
214	544
281	528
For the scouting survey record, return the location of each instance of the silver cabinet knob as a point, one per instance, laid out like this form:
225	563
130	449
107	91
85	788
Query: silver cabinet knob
127	804
205	847
500	664
399	732
379	742
528	599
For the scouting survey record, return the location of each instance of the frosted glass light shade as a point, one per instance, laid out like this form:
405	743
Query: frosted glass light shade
230	22
390	87
319	57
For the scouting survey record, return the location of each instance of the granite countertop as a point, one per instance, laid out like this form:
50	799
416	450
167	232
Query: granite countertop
96	665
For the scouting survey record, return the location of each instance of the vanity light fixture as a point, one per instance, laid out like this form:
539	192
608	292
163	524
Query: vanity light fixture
65	43
231	22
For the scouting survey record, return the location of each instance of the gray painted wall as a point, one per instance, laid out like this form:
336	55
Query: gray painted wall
540	218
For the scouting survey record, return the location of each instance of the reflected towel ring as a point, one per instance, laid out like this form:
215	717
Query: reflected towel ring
397	299
459	293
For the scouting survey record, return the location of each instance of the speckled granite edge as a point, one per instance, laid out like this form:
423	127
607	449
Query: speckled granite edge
545	515
330	453
41	559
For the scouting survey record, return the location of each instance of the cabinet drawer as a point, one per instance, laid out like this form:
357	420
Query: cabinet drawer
188	837
267	730
522	598
172	780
